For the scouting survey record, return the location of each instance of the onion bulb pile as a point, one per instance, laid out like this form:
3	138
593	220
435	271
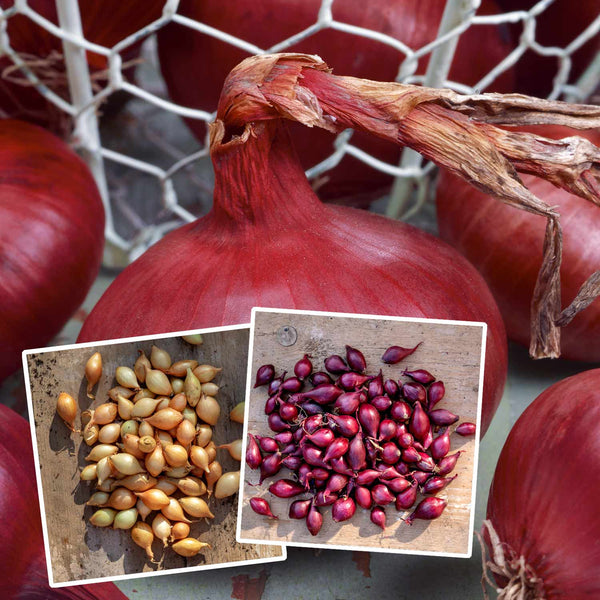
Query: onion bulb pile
543	524
152	454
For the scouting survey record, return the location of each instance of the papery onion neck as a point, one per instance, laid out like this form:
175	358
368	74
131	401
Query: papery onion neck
453	130
521	582
251	196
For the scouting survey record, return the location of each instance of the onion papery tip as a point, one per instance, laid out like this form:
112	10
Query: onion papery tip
522	582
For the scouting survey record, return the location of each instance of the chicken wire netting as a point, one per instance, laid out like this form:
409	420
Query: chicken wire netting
154	175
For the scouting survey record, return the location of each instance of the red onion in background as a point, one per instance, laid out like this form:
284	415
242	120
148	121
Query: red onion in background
557	26
415	22
547	484
510	255
105	23
51	238
23	571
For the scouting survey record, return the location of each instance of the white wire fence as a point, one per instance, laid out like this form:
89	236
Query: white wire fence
118	167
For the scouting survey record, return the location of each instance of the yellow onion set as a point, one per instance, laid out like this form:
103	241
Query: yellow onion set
152	456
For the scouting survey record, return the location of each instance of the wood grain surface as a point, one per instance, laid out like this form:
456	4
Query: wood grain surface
80	551
449	351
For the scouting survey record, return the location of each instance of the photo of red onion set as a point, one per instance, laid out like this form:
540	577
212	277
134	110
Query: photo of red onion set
361	445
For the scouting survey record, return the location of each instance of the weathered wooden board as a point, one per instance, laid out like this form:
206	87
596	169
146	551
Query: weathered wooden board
81	551
451	352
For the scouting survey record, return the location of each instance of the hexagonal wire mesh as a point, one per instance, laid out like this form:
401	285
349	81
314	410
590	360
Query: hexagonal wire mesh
118	154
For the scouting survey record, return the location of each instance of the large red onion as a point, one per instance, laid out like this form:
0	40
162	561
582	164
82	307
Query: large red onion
51	237
105	23
557	26
23	572
506	247
269	242
543	503
414	22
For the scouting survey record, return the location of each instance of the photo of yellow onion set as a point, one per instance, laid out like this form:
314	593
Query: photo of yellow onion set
139	461
167	166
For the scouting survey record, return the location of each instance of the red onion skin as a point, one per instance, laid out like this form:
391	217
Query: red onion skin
357	453
260	190
391	388
339	465
535	470
292	462
288	412
261	507
362	496
312	408
390	453
51	238
434	484
388	430
382	495
381	403
336	449
375	386
446	465
410	455
264	375
312	423
407	498
324	498
355	359
303	368
351	381
367	476
283	437
347	425
466	429
397	485
414	392
321	437
347	403
314	520
369	418
276	423
313	456
105	23
394	354
378	517
415	22
509	261
440	445
401	411
23	571
336	364
299	509
320	377
405	440
441	416
271	404
420	376
421	476
292	384
286	488
271	465
322	394
337	482
386	472
430	508
435	393
419	422
343	509
253	455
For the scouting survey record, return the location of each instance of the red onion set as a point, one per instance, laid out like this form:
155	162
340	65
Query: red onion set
351	439
543	523
508	256
51	238
22	560
413	22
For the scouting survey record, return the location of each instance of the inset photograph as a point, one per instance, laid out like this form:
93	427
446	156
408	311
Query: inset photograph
362	432
138	446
